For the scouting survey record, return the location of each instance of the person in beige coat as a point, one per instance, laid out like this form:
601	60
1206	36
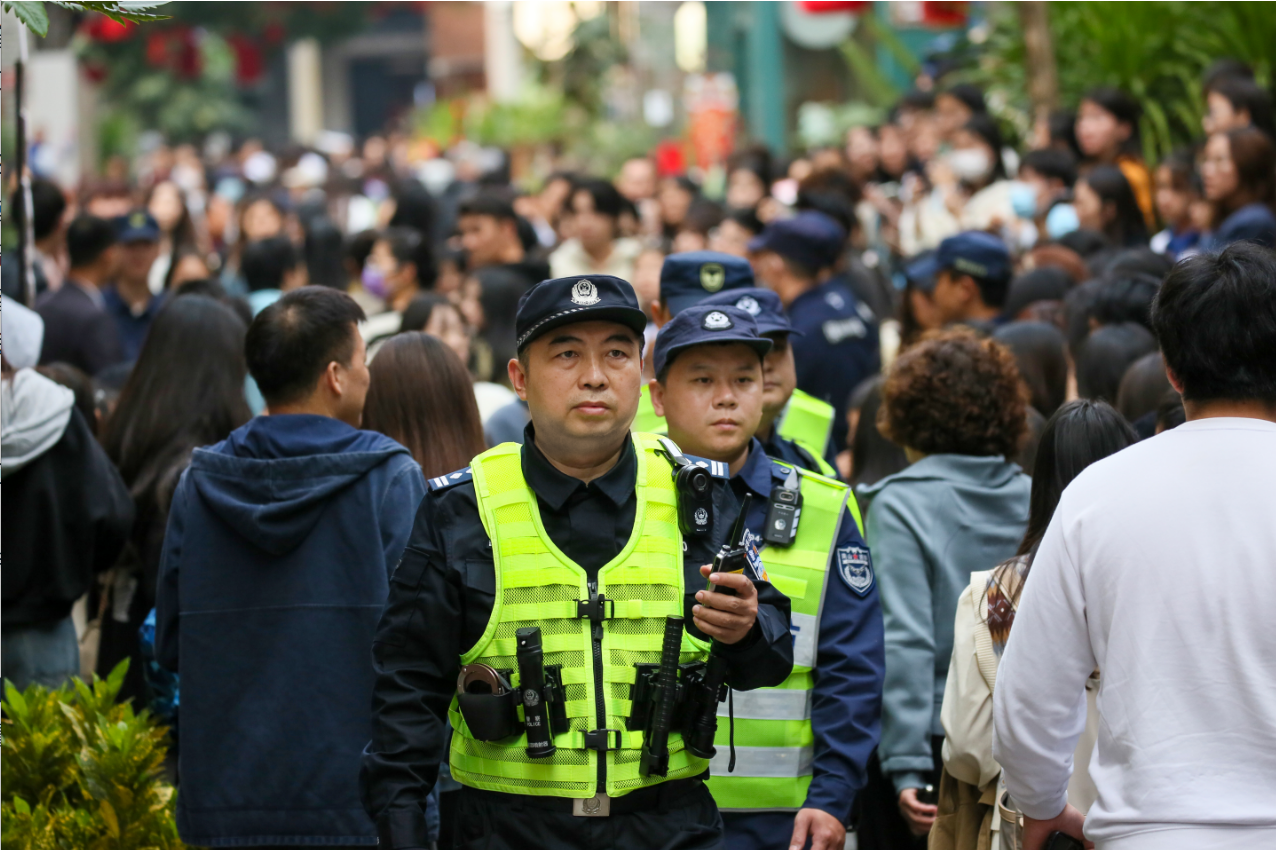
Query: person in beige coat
1078	434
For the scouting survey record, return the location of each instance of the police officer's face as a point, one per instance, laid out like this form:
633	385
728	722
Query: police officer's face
712	399
779	376
581	381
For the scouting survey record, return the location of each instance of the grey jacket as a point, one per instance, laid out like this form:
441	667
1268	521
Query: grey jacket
929	527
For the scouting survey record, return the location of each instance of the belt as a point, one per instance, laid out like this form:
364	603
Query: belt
666	795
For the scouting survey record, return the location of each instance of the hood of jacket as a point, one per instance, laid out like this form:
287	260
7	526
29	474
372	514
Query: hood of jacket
271	479
33	417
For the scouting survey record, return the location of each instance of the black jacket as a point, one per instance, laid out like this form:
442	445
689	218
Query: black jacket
78	330
441	598
67	514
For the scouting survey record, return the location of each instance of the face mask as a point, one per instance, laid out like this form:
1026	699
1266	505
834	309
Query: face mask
374	281
970	164
1062	220
1023	200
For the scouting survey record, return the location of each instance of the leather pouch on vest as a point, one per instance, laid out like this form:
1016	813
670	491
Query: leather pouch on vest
487	702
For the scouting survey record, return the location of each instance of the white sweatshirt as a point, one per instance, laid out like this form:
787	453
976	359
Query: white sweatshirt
1158	569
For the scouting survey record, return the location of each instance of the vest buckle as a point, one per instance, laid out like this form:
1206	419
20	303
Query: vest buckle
599	739
597	806
595	608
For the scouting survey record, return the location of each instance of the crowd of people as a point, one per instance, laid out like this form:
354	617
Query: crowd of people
256	404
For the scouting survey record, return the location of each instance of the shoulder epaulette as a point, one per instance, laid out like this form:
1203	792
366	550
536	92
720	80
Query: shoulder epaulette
442	482
716	468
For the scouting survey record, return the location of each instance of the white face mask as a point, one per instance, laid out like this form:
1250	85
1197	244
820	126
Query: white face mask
970	164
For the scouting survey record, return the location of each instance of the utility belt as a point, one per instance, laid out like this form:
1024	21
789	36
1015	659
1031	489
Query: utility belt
675	794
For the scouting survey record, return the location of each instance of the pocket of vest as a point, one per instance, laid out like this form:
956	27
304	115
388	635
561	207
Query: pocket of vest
490	717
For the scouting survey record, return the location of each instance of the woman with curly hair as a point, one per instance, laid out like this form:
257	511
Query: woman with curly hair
956	406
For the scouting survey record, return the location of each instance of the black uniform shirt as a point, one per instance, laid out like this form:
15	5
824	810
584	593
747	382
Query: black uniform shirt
441	597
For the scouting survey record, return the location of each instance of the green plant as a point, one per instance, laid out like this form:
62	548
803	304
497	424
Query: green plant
1155	51
33	14
82	772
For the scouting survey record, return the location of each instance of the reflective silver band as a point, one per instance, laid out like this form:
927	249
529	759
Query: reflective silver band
770	704
766	762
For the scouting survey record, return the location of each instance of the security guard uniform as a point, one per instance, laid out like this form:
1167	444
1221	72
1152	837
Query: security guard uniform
807	742
511	542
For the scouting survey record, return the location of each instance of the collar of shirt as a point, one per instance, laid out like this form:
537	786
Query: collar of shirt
756	474
112	298
95	294
555	488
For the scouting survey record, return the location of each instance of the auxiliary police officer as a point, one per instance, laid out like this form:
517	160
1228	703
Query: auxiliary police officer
795	427
805	745
838	347
578	533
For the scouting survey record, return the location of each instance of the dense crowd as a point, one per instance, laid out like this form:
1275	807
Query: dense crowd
970	325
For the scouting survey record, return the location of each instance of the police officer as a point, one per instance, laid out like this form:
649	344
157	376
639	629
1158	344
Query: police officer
839	344
685	279
795	427
822	724
576	533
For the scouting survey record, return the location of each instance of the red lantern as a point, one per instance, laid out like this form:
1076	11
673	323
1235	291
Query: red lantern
100	28
157	49
249	65
834	7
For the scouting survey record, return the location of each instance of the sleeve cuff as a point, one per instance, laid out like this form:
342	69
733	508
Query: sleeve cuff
403	829
907	780
833	798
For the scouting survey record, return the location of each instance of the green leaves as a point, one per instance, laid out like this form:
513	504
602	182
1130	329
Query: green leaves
81	771
34	16
31	14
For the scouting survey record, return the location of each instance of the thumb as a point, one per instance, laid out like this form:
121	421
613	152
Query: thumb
801	826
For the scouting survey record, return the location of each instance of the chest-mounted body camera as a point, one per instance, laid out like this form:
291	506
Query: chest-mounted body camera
694	485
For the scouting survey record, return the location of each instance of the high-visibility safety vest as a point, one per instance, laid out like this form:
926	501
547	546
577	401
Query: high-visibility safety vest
537	585
646	421
807	421
774	741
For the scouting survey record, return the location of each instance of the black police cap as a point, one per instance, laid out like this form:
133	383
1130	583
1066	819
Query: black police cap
581	298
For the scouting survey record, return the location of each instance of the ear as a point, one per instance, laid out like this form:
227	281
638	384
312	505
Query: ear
660	314
970	288
1174	380
334	379
518	378
657	397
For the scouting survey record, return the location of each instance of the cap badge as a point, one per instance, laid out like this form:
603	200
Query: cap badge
749	304
716	321
584	293
712	276
137	219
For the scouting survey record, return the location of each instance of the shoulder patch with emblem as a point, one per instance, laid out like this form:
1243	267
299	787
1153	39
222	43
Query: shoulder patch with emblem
716	468
442	482
855	568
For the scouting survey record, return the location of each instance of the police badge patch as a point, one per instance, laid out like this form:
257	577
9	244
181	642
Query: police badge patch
855	568
584	293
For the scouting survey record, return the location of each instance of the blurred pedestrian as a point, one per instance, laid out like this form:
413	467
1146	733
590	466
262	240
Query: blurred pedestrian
489	234
185	391
956	406
77	327
1177	187
1106	203
280	546
421	397
48	253
1118	571
400	265
1238	170
1106	354
67	515
1235	102
1040	352
271	267
596	246
1107	131
1077	435
174	228
972	278
130	299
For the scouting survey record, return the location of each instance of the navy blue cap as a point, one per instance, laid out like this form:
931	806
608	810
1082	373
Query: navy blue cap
707	323
811	238
762	304
975	253
581	298
921	271
137	226
688	278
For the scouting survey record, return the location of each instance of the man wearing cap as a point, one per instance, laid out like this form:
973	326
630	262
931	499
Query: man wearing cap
839	345
128	299
802	748
971	273
579	533
785	420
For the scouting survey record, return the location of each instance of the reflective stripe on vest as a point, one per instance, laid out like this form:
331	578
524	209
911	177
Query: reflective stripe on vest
808	421
774	724
537	585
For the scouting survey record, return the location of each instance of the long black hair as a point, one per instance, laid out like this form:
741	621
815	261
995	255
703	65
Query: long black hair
1128	227
186	390
1078	434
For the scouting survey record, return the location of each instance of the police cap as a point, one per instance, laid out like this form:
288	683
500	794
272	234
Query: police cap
811	239
137	226
581	298
703	324
762	304
688	278
978	254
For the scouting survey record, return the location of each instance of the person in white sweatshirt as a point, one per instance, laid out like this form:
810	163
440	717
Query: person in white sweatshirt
1159	569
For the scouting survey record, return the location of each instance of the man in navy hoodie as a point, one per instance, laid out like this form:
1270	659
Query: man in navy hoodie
276	565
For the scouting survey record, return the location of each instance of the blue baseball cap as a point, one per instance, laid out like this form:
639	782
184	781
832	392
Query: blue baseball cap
762	304
688	278
581	298
703	324
975	253
137	226
921	271
810	238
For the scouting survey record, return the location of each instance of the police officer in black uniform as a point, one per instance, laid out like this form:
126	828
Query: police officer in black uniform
579	367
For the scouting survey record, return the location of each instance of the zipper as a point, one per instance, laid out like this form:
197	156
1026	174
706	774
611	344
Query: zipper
596	629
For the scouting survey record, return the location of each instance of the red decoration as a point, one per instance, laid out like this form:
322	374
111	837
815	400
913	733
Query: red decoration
273	33
670	160
944	13
834	7
103	29
94	72
157	49
249	65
